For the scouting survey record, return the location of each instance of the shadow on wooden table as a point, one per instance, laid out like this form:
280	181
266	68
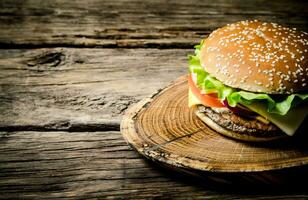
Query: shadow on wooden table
286	181
279	182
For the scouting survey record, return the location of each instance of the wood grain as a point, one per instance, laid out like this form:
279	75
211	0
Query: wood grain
57	91
154	23
80	89
100	165
43	165
164	129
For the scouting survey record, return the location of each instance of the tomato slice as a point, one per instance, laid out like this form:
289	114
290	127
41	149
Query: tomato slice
209	100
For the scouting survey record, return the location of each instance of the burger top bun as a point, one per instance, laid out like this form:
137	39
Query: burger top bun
258	57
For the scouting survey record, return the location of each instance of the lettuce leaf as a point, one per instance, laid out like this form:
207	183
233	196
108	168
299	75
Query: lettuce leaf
210	84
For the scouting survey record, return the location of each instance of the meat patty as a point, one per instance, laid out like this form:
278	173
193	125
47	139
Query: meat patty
239	124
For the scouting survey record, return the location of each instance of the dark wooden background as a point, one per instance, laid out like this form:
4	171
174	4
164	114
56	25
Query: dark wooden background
70	69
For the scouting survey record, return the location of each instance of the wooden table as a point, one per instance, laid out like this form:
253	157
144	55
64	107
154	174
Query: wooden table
70	69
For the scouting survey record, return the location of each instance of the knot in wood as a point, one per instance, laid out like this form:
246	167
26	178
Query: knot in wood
49	59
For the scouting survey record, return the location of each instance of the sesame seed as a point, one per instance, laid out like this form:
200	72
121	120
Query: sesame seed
255	44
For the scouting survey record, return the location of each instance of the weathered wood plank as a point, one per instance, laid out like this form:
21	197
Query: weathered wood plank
137	23
60	164
43	165
80	89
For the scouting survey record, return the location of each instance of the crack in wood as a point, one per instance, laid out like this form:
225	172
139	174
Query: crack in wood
57	84
148	150
64	126
119	44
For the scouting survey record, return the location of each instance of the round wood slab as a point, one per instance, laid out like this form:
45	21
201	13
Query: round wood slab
164	129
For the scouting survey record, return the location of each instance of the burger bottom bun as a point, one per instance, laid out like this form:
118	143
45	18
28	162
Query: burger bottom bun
249	137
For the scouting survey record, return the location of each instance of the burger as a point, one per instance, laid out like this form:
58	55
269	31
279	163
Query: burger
249	80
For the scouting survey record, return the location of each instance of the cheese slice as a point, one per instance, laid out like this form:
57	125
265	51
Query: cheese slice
288	123
192	99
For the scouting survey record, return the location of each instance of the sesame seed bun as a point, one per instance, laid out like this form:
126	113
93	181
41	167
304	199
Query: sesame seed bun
258	57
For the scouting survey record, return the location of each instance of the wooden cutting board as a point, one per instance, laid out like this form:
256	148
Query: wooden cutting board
165	130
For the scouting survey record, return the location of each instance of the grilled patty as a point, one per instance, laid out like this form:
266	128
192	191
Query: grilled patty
239	124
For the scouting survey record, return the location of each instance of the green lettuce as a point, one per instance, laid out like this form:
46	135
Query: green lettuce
210	84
